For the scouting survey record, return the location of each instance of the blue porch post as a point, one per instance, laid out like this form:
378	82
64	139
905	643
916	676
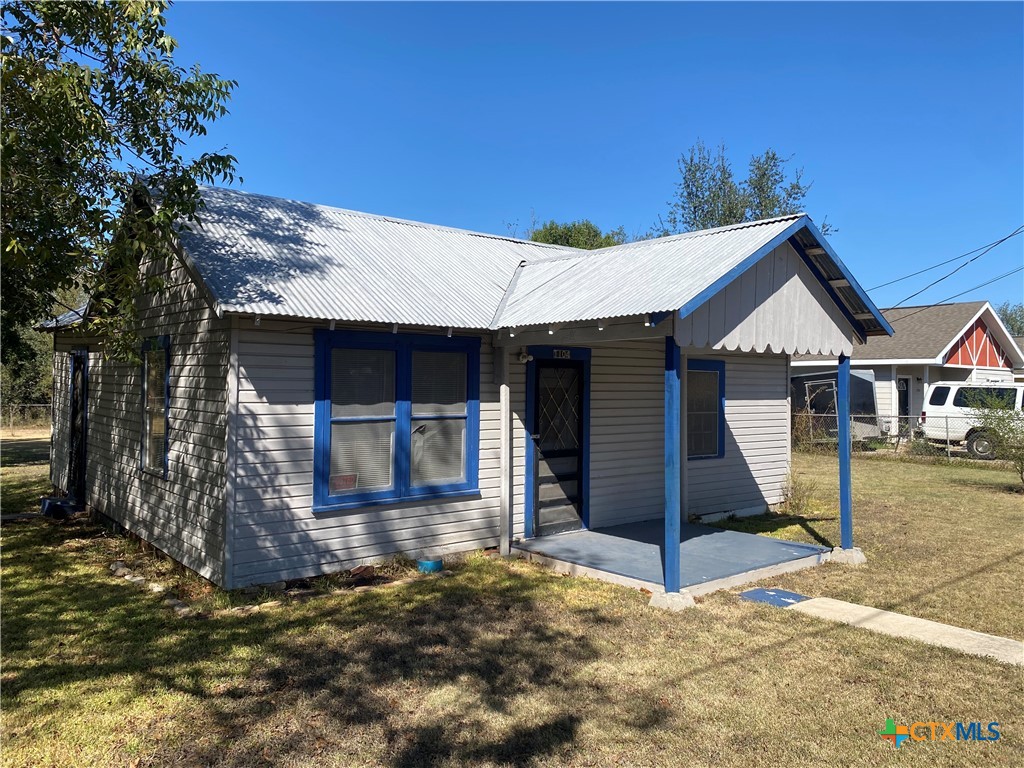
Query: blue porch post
845	487
673	507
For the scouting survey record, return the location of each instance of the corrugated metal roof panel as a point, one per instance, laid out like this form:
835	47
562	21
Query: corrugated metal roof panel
269	256
636	278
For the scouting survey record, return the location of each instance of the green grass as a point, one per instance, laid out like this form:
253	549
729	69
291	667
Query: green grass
500	664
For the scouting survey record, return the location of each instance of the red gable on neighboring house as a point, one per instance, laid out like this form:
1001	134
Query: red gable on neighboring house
977	348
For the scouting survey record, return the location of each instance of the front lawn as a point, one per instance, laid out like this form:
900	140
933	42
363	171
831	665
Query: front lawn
943	542
499	664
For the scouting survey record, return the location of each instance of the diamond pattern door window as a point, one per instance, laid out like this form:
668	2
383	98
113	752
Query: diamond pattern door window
559	403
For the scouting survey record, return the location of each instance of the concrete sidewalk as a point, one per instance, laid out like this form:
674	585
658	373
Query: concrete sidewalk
897	625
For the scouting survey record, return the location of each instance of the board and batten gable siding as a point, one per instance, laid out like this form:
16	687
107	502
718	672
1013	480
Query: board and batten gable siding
184	513
60	414
777	305
275	534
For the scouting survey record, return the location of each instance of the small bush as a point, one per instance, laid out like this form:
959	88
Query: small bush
800	495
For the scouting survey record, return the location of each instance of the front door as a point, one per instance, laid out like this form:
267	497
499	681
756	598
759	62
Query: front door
558	437
77	425
903	393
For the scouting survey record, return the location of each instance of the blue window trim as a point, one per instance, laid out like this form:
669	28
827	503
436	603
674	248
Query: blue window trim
576	354
164	343
402	490
718	366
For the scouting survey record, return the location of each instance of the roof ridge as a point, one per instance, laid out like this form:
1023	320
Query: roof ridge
396	220
978	302
608	250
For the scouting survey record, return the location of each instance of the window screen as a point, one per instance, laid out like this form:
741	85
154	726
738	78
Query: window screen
362	441
702	413
398	417
938	396
438	427
155	403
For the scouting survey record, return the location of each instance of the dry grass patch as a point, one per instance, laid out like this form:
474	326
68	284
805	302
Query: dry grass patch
943	542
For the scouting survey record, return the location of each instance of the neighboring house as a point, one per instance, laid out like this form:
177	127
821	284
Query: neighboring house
1018	370
944	342
321	388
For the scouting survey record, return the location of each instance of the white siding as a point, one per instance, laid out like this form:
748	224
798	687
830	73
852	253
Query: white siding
884	391
777	305
627	432
182	515
276	535
752	473
627	481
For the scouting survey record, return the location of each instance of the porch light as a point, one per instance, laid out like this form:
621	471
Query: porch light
551	330
332	325
511	333
600	325
394	328
647	321
449	333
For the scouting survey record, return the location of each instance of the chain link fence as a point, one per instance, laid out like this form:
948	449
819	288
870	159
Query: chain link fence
957	437
15	419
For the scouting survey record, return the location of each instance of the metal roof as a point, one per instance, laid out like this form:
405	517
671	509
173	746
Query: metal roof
671	273
269	256
65	320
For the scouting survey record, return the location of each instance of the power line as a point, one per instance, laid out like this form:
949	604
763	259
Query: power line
947	261
958	295
954	271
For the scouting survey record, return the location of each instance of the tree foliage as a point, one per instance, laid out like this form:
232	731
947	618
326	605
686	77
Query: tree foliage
708	194
1012	316
577	234
92	103
995	415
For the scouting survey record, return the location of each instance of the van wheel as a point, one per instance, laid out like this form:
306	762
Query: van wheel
980	446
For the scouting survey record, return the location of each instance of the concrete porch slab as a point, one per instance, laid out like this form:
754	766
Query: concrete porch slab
632	555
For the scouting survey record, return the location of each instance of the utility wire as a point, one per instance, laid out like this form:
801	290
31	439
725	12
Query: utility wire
958	295
954	271
947	261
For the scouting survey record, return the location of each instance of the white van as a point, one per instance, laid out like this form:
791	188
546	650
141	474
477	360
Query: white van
948	414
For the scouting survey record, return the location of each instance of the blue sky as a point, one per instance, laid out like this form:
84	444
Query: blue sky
909	118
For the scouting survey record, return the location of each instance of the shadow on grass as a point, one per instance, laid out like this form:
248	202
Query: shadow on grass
988	484
481	633
770	523
15	452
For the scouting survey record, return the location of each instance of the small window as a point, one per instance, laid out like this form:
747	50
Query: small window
938	396
705	409
397	418
974	397
156	361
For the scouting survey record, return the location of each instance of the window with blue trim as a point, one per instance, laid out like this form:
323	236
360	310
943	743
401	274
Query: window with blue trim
705	409
397	417
156	404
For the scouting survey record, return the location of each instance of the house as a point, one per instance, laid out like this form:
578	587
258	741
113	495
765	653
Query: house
1018	371
944	342
321	388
